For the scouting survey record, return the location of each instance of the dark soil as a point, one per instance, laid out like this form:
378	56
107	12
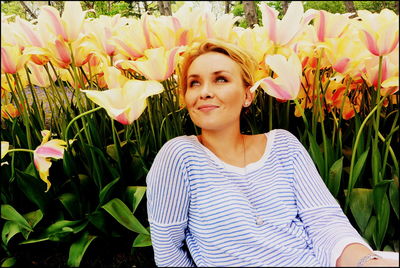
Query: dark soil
98	254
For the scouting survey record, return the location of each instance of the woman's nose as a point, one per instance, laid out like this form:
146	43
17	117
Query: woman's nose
206	91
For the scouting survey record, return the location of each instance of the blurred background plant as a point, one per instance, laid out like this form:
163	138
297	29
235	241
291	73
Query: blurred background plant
89	95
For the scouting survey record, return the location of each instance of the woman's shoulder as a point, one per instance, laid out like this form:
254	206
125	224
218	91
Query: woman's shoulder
179	146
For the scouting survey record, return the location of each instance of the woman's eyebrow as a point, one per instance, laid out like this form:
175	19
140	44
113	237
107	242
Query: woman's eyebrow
213	73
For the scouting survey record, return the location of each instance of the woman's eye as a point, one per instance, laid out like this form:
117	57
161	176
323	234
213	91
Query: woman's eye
221	79
193	83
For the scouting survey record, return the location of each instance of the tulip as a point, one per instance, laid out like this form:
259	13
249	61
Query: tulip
379	32
44	152
4	148
60	53
390	73
328	25
39	76
281	32
9	110
157	64
69	26
133	47
125	104
11	60
287	85
104	29
345	54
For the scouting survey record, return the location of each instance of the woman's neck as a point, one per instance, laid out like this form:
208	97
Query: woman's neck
227	145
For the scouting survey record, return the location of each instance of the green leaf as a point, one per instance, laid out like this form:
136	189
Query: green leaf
34	217
376	163
9	213
34	189
358	168
10	229
112	150
58	231
394	197
335	176
361	206
142	240
370	229
78	249
71	203
135	195
106	192
124	216
98	219
9	262
316	154
68	164
382	222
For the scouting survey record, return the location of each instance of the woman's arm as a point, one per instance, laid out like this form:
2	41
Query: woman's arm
167	207
354	253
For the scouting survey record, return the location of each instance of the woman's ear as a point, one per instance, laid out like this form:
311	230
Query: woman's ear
249	96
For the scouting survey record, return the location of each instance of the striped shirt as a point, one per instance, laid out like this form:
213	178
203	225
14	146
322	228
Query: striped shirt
274	212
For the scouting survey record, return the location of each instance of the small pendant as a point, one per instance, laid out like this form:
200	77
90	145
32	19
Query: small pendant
259	221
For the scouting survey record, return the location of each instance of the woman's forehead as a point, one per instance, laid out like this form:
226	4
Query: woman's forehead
213	62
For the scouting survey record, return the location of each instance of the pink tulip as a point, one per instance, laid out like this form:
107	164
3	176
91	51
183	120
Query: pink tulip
379	32
328	25
293	23
44	152
287	85
11	59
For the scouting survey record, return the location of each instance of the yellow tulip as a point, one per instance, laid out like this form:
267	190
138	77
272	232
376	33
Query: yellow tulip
254	41
345	54
328	25
133	47
43	154
379	32
4	148
114	78
39	76
125	104
60	53
12	61
287	85
157	64
103	30
68	26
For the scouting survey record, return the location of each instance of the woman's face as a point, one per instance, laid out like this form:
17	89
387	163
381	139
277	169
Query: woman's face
215	91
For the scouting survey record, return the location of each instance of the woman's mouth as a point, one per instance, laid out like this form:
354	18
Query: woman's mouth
207	107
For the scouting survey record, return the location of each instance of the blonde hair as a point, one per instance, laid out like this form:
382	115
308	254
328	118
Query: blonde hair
247	63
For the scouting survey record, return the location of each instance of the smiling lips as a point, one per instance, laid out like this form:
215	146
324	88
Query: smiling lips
207	107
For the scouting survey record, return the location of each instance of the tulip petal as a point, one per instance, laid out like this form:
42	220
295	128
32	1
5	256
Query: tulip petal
43	165
272	88
4	148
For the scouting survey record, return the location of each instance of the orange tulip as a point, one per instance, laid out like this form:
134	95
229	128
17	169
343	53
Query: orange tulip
9	111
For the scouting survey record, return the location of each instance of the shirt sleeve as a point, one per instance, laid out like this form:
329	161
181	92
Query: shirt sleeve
167	207
324	220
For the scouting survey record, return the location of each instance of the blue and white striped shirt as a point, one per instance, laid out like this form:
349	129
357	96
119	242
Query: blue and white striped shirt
275	212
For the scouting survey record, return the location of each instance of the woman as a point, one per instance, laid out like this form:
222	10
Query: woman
227	199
